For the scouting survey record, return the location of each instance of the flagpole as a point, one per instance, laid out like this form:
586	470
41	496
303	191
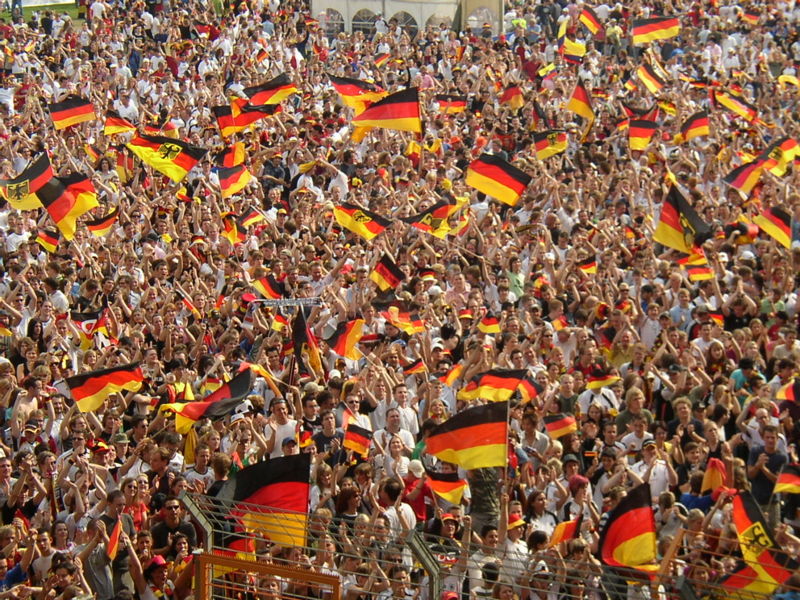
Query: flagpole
772	495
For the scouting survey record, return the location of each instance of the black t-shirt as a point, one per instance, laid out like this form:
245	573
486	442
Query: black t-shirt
732	322
161	533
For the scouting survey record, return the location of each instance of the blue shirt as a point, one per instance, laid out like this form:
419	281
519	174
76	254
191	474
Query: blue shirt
13	577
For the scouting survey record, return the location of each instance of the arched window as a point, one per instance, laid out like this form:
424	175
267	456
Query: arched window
478	17
407	22
332	22
364	21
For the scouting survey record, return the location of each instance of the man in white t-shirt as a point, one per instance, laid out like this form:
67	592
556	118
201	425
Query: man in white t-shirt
279	426
655	470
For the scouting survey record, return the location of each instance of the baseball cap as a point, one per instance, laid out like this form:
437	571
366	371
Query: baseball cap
288	440
120	438
569	458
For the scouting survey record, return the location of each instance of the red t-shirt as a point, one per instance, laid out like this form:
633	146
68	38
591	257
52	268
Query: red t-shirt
418	504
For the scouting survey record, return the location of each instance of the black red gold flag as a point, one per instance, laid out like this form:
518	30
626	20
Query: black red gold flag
271	92
497	178
474	438
89	390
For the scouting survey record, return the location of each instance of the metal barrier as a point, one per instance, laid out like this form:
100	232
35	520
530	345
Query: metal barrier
364	560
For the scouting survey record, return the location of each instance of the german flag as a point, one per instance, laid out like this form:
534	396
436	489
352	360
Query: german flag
566	531
629	536
71	111
386	274
359	220
168	129
116	124
668	107
447	485
590	20
588	265
512	97
714	475
210	385
750	17
759	549
736	104
112	546
233	180
640	132
239	115
357	94
598	379
779	155
100	227
790	391
788	79
474	438
451	104
560	323
539	115
497	385
694	126
496	178
558	426
187	303
279	322
699	272
489	324
275	494
66	199
382	59
529	389
745	177
581	103
231	230
173	158
344	339
452	375
268	287
656	28
251	217
788	481
272	92
48	239
231	156
305	346
650	79
717	317
407	322
418	366
20	192
629	84
399	111
89	390
89	323
218	404
357	439
680	227
435	219
5	332
777	223
549	143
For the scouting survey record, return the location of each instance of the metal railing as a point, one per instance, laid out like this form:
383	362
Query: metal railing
362	560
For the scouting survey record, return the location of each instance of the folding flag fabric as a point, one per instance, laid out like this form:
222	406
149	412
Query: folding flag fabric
269	288
788	79
188	305
573	51
452	375
359	220
447	485
276	495
20	192
581	103
233	180
450	104
231	156
272	92
539	115
112	546
680	227
789	391
71	111
251	217
777	223
512	96
495	177
357	439
67	199
407	322
640	132
779	155
656	28
590	20
101	226
116	124
231	230
529	390
694	126
629	536
434	220
788	481
565	531
173	158
89	390
558	426
474	438
717	317
749	16
745	177
489	324
650	79
714	476
344	339
306	349
598	379
219	403
399	111
496	385
48	239
386	274
759	550
699	272
418	366
588	265
88	324
549	143
736	104
357	94
239	115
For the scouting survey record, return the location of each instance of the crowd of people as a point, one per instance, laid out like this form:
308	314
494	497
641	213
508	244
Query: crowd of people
695	369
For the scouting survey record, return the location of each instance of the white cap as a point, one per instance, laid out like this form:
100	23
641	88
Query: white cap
416	469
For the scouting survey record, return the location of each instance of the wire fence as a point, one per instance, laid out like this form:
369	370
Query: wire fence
291	555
